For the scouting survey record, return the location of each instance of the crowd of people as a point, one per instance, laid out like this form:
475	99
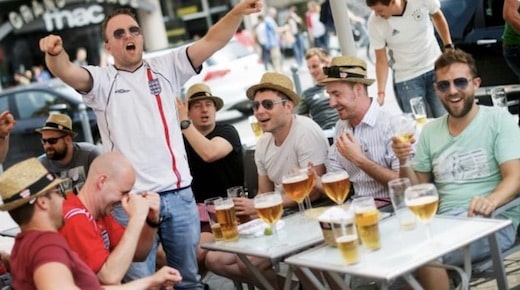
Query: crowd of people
132	216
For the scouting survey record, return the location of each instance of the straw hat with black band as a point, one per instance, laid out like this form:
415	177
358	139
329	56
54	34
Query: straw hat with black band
346	69
58	122
23	182
275	81
201	92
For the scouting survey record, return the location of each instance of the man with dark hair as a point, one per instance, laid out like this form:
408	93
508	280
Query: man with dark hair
41	258
64	157
401	33
471	155
134	102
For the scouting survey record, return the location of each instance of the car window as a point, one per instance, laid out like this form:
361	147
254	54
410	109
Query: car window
36	103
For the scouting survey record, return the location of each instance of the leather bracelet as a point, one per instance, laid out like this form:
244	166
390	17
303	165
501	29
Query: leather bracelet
153	225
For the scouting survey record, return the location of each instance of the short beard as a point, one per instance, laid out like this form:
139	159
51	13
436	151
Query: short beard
468	104
58	155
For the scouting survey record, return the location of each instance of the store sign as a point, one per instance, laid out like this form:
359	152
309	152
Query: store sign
26	13
78	17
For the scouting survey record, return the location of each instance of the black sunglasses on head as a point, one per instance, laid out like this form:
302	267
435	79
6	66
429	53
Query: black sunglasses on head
267	104
121	32
336	71
460	83
51	141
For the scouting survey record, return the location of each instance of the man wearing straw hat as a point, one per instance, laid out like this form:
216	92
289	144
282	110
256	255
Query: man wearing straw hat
211	147
289	141
64	157
362	145
41	258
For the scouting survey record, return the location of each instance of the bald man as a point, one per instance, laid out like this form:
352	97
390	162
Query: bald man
91	230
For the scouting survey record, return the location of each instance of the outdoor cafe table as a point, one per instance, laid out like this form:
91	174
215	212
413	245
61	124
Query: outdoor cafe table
402	252
299	233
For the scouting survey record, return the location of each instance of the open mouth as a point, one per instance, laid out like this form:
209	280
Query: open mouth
130	46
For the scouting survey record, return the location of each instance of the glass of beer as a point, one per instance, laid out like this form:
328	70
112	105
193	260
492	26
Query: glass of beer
423	200
268	206
238	192
297	185
336	185
367	221
211	212
418	110
227	219
403	127
255	126
346	238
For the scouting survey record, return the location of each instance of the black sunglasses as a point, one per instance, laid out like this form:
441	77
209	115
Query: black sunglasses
134	31
336	71
52	141
267	104
460	83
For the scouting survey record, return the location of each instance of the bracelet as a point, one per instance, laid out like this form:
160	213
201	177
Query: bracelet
54	54
449	45
152	224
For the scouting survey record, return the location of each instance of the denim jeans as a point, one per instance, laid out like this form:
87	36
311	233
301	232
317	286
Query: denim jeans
421	86
179	234
480	248
512	58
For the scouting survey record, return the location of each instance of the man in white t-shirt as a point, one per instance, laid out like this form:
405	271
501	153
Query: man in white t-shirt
401	33
134	102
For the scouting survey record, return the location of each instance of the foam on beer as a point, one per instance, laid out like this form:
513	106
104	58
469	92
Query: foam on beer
224	206
422	200
294	179
334	177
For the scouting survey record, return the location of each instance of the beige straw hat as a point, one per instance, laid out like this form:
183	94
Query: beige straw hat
202	91
275	81
24	181
348	69
58	122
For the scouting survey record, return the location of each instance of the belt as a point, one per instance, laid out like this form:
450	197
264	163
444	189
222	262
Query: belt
174	191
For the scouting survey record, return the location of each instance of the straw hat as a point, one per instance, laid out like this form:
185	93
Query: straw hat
348	69
275	81
201	91
24	181
58	122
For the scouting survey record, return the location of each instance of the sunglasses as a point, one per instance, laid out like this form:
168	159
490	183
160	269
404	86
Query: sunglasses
121	32
51	141
267	104
460	83
338	71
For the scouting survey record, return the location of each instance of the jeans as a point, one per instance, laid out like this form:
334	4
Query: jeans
298	49
480	248
180	233
421	86
512	57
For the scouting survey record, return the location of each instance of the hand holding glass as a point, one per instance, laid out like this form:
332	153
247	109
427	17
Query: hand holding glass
403	127
423	200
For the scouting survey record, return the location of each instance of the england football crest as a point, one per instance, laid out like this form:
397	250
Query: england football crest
155	86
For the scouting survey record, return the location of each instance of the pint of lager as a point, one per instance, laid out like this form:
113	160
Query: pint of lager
367	221
211	213
346	238
336	185
226	218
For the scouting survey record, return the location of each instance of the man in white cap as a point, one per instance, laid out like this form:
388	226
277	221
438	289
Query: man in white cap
289	141
41	258
211	147
362	145
64	157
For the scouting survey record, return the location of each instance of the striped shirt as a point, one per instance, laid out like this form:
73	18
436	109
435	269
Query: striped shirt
374	136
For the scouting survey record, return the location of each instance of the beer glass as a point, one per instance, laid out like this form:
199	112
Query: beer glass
211	212
418	110
238	191
336	185
268	206
423	200
227	219
405	216
367	221
297	185
346	239
403	127
255	126
499	97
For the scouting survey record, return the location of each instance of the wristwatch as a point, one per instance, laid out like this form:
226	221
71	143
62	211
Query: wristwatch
185	124
449	45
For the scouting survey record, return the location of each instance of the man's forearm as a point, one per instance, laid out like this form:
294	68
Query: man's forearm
377	172
145	244
4	147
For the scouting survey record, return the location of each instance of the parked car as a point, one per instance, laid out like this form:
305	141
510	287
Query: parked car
476	27
228	72
31	105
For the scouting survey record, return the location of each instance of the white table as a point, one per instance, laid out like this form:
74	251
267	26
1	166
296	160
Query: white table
404	251
295	236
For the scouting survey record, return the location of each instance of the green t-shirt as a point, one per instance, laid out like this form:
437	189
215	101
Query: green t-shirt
510	36
469	165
